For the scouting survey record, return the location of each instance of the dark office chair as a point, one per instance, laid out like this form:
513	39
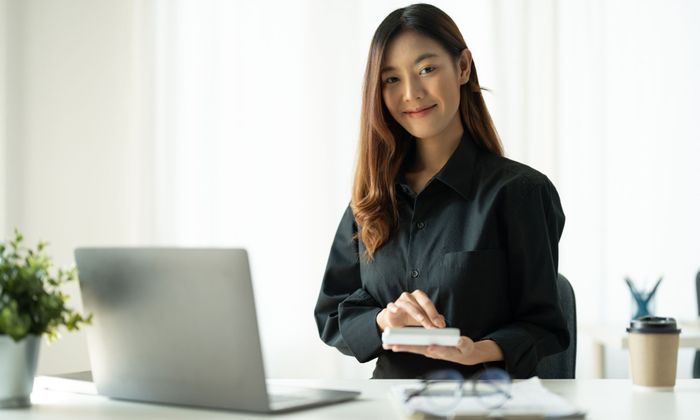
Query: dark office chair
696	362
562	365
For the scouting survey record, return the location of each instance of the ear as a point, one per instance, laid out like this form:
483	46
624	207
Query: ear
464	66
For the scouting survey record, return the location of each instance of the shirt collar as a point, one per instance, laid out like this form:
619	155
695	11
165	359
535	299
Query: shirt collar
459	169
457	173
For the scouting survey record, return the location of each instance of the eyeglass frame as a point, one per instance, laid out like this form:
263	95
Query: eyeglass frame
474	380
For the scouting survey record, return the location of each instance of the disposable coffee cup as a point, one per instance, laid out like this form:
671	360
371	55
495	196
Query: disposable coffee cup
653	346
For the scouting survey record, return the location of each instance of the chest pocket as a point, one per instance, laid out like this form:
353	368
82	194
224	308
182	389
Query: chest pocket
473	287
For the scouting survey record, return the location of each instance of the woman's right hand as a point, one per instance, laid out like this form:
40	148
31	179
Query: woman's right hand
410	309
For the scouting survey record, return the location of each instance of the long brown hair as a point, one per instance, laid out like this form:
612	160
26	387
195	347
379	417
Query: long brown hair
384	143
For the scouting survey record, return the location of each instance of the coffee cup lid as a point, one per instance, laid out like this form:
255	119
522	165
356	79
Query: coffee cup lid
653	325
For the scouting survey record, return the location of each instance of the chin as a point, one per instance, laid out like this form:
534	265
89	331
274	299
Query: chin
421	133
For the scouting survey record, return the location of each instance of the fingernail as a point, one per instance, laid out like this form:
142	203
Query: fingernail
393	309
419	317
437	321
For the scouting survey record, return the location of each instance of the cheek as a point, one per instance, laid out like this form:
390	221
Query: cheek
451	94
390	102
386	96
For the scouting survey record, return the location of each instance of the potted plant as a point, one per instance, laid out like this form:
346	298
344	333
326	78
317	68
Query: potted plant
31	305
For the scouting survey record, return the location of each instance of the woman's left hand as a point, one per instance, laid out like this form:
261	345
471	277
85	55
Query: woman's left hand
463	353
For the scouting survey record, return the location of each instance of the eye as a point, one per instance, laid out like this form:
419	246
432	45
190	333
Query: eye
391	80
427	69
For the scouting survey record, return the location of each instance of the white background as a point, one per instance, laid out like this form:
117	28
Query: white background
226	123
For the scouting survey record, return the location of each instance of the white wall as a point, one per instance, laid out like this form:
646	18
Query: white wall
628	143
74	159
4	30
140	122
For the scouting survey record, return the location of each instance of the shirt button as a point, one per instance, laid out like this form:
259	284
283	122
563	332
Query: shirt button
420	225
415	273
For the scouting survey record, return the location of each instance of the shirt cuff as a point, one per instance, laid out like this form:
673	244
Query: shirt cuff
359	329
519	357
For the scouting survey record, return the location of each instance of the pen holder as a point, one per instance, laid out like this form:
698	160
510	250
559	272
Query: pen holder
640	308
643	302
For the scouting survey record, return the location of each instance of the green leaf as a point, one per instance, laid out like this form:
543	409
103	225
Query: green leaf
31	301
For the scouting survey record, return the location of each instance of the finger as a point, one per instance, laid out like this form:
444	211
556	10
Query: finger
461	343
403	348
428	306
440	323
412	309
408	297
392	308
448	353
395	317
465	345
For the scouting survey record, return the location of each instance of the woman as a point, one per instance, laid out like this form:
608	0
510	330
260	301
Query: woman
442	230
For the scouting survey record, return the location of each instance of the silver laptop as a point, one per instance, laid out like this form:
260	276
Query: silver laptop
178	326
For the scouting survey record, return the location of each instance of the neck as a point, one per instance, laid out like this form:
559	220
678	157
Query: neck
433	152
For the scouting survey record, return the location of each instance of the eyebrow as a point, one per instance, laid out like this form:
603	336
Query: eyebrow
418	60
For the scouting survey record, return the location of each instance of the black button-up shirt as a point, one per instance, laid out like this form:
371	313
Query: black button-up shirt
481	239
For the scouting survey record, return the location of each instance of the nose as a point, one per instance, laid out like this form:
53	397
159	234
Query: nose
413	90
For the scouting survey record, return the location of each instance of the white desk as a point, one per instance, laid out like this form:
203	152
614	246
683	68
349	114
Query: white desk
616	336
601	398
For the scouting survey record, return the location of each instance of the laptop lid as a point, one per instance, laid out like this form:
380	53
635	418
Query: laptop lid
173	325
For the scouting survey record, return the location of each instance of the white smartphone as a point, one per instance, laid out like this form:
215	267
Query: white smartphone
419	336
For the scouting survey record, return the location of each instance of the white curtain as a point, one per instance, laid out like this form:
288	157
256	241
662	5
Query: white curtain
255	115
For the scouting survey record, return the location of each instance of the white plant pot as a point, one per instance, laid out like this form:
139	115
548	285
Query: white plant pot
18	362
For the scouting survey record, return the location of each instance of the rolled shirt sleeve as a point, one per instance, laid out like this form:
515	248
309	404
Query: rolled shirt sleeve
534	220
345	312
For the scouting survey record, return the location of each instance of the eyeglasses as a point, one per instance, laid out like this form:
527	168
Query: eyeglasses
443	389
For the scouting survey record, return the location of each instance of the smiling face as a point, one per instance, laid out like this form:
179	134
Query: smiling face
421	84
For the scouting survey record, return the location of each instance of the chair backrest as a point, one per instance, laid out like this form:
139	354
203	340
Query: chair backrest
562	365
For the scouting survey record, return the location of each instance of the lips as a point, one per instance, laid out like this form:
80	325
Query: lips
419	112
